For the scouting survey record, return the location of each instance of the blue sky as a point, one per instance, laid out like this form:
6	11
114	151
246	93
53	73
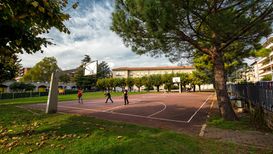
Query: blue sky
90	34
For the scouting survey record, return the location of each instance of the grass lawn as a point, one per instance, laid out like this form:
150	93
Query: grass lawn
24	132
242	124
43	99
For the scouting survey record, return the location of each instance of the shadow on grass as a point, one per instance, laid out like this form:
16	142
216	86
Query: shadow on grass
63	133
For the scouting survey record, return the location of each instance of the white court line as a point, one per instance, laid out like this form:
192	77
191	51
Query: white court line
132	115
198	109
147	117
80	108
154	118
120	106
158	111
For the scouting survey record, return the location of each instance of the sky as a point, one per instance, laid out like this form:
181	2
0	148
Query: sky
91	35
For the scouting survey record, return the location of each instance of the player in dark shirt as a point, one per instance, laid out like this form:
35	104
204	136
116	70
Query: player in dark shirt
125	94
108	97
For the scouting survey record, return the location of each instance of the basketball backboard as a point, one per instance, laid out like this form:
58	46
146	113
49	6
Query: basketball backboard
176	79
91	68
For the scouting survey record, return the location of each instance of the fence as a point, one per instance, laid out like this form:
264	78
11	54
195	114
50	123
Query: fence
30	94
260	93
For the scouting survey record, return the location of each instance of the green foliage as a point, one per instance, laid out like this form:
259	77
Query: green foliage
147	82
65	78
29	87
167	80
267	78
184	79
138	83
178	28
42	71
104	70
130	83
20	86
156	80
263	52
9	67
23	22
243	124
198	78
87	82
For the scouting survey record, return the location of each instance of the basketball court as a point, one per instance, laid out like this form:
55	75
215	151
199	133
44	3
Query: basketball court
176	111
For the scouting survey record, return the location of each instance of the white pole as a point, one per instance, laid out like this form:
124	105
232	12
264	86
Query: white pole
179	88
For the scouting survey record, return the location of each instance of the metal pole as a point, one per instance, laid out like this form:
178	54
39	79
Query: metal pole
271	67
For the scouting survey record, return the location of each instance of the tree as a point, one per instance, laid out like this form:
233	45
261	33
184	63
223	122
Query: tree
65	78
81	80
23	22
86	59
209	27
129	83
42	71
29	87
199	78
168	82
156	80
9	67
104	70
101	84
267	78
109	82
20	86
184	79
138	83
147	82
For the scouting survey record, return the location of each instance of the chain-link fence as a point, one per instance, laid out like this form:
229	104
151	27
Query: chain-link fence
260	93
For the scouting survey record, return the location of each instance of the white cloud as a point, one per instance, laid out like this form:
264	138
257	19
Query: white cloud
91	35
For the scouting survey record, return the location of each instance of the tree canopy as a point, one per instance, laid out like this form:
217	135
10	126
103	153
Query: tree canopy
176	28
23	22
9	67
42	71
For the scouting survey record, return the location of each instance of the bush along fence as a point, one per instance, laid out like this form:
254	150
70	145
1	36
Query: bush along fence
31	94
259	97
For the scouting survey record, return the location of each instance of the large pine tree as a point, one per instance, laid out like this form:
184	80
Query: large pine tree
212	27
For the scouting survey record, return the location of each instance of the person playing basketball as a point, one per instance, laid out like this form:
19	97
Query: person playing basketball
80	96
125	95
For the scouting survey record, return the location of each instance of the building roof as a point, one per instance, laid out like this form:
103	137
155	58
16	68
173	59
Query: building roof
152	68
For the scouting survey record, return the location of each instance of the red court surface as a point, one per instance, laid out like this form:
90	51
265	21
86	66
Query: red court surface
180	112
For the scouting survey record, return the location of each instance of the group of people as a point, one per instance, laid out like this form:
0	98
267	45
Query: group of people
107	94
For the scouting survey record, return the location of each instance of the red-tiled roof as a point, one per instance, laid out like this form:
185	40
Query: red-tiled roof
152	68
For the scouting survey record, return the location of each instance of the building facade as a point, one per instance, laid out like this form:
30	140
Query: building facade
263	66
136	72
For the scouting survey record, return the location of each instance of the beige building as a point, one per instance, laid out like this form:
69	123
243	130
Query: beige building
125	72
264	66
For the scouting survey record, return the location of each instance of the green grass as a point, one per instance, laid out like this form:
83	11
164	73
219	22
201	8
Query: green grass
22	131
43	99
242	124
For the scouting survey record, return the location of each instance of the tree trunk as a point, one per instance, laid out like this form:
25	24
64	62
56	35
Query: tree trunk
138	89
157	88
225	107
199	86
